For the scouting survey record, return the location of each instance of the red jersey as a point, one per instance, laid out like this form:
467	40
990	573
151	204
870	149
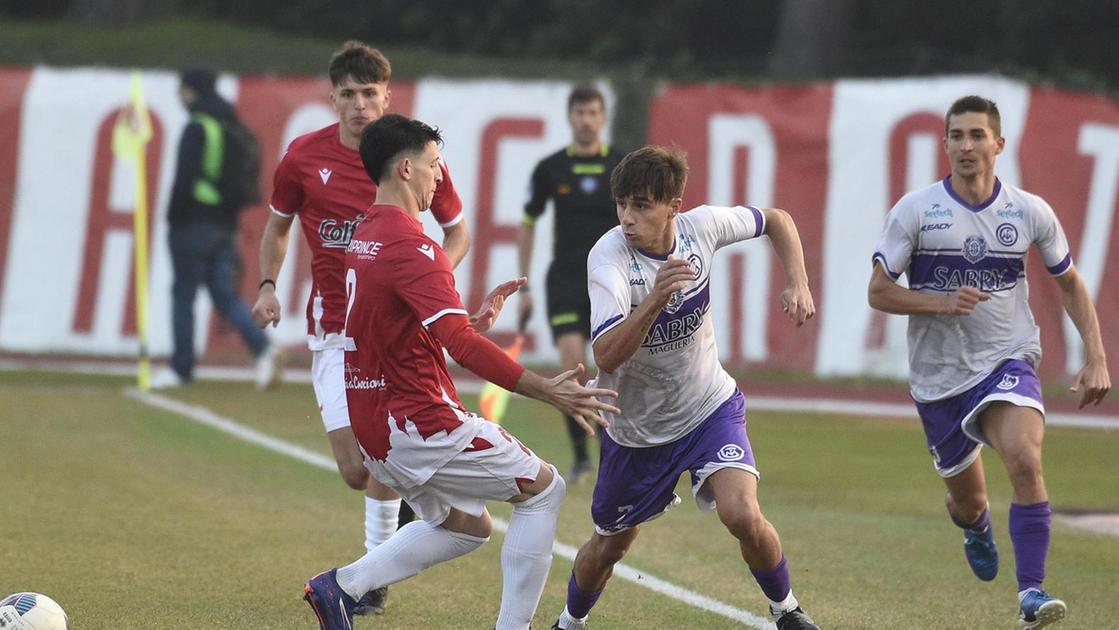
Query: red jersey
402	307
324	182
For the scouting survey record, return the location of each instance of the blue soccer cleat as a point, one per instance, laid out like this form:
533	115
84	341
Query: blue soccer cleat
1038	609
982	554
333	606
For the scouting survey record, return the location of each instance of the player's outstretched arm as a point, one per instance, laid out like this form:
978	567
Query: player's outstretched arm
1093	378
566	394
796	298
273	249
618	344
887	296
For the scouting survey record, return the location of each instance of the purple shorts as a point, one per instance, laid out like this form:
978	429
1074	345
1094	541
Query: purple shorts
637	484
952	426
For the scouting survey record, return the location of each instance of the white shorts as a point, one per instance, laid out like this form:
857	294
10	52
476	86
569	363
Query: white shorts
328	377
492	468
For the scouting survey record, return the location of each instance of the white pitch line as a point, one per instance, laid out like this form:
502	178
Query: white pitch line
207	417
820	406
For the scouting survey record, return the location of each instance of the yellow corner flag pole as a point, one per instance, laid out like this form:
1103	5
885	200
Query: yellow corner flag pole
131	133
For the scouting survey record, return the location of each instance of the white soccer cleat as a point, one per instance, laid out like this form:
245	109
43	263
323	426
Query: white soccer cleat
166	378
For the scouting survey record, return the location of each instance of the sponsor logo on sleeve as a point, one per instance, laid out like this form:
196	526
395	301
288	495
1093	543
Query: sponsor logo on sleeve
427	250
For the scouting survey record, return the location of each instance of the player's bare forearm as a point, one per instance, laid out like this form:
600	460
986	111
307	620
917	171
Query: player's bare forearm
782	232
526	239
887	296
274	245
796	299
456	242
1078	304
617	345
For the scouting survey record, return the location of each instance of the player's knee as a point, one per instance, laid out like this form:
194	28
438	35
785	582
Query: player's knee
966	508
547	500
608	550
746	525
1023	466
356	477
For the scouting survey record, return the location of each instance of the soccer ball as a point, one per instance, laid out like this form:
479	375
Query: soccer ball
32	611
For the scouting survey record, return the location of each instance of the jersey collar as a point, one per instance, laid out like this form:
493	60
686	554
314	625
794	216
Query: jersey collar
952	193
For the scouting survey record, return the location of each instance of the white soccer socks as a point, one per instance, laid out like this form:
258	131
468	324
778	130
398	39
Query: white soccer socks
413	548
526	555
380	521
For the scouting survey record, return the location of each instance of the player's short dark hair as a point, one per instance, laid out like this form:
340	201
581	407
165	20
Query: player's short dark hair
584	94
978	105
386	138
363	63
658	173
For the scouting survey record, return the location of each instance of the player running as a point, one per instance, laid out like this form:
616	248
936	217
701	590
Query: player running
654	341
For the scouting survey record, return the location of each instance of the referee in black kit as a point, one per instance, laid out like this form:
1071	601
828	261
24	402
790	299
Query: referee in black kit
577	179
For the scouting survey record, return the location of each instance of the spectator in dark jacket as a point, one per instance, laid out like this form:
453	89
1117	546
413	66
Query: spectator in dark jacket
203	233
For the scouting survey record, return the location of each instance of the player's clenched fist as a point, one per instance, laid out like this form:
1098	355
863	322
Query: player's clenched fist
673	276
962	301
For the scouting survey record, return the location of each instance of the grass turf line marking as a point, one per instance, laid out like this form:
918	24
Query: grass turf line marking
819	406
209	418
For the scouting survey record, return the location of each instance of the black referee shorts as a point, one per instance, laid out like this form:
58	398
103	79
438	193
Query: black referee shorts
569	306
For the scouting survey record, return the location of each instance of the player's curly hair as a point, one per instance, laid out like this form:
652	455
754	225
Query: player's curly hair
658	173
361	62
978	105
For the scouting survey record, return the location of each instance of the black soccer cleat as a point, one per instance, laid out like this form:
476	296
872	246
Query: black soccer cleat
796	619
373	602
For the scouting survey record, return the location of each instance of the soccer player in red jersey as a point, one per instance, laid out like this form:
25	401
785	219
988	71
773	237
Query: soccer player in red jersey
321	180
403	310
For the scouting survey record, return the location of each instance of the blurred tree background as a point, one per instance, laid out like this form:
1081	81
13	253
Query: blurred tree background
1067	42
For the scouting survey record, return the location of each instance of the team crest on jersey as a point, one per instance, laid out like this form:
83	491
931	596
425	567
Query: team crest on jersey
338	234
674	302
1007	234
1008	382
731	453
697	265
975	248
588	184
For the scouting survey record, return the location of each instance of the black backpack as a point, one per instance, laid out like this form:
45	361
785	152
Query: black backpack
239	183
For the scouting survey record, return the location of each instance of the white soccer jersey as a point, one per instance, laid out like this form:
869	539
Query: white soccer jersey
674	380
941	243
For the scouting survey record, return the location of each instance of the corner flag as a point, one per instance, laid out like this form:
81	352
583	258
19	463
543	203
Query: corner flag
131	133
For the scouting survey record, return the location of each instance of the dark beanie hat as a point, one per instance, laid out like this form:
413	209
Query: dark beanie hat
199	78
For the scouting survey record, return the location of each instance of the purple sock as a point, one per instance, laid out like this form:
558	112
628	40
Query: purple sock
774	582
1029	532
980	523
580	602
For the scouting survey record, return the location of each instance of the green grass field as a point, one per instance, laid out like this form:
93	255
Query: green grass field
132	517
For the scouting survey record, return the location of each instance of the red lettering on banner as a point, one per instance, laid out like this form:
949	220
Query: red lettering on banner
487	232
900	167
12	84
738	261
798	118
1054	166
104	219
